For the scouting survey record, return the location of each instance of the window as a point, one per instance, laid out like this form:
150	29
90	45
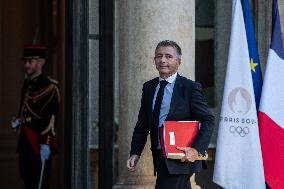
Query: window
204	47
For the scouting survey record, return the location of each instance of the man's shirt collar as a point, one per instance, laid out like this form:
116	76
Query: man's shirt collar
170	79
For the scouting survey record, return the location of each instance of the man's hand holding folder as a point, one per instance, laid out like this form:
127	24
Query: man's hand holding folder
191	154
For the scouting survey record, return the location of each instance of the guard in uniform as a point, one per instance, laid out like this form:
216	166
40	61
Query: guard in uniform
36	120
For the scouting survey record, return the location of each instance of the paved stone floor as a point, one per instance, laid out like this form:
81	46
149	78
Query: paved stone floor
204	178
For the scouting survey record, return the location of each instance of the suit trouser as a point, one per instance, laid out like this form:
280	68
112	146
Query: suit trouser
169	181
30	166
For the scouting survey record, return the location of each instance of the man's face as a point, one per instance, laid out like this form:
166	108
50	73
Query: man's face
166	61
32	66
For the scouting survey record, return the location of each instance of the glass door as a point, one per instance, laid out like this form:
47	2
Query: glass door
89	94
93	93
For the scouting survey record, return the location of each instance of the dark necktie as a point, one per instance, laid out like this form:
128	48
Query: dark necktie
156	112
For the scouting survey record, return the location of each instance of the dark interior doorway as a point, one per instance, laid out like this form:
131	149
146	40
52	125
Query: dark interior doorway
24	23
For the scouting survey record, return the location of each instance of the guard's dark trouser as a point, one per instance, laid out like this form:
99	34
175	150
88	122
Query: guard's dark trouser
166	180
30	165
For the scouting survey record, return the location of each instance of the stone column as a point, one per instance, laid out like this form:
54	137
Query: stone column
142	24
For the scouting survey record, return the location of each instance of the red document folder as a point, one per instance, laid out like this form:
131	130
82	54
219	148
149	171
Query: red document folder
177	133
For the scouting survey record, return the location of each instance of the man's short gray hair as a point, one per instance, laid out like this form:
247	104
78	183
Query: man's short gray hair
167	43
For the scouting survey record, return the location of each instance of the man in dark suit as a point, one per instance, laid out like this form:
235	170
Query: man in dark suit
176	98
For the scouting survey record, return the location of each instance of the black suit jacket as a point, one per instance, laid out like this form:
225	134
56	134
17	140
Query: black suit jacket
187	104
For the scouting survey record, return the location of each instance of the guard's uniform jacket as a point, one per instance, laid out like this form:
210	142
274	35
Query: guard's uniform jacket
38	111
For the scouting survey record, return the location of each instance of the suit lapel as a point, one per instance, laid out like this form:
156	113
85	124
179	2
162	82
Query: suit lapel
152	89
175	97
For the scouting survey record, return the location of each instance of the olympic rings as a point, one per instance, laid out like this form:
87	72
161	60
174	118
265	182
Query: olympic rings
239	130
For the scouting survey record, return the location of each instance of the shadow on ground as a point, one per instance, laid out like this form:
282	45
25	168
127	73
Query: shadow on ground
204	178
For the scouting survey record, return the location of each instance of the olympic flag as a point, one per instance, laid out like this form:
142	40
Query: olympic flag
271	109
238	162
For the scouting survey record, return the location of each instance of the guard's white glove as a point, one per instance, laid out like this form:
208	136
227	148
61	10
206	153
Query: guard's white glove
16	122
44	152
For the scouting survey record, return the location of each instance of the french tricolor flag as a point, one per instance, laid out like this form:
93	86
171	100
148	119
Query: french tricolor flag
271	109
